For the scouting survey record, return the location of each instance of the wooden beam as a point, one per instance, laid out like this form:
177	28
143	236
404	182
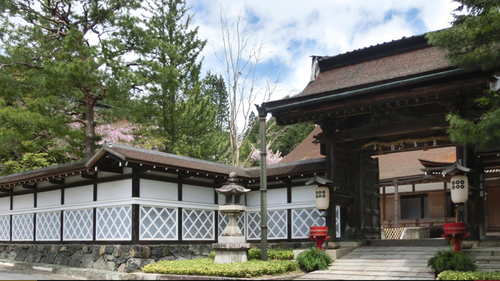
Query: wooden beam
7	190
56	181
394	128
30	186
92	176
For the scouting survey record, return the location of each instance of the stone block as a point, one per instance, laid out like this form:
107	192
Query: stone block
61	259
133	264
21	255
87	261
122	268
110	266
109	249
102	250
12	255
99	264
76	259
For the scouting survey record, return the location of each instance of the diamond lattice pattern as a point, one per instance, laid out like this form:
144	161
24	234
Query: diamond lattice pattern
114	223
197	225
48	226
22	228
223	219
5	228
158	223
302	219
276	223
78	225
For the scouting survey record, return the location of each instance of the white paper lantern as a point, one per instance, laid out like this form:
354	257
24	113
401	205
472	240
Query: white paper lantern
459	189
322	198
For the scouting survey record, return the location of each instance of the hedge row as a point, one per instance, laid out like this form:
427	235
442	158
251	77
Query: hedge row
469	275
208	267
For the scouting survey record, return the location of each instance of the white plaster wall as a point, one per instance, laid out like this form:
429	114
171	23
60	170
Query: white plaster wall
304	193
114	190
5	204
253	198
401	188
23	201
159	190
197	194
276	196
48	198
79	194
127	170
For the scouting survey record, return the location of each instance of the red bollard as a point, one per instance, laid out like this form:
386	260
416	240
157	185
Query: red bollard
319	234
455	231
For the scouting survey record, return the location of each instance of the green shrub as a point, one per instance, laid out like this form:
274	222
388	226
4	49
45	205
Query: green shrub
449	260
209	267
272	254
460	275
314	259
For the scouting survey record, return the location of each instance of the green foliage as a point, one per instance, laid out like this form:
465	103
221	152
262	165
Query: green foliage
176	106
209	267
472	42
474	36
28	162
449	260
314	259
460	275
272	254
58	61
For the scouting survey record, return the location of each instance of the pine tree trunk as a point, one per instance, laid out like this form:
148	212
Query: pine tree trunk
89	128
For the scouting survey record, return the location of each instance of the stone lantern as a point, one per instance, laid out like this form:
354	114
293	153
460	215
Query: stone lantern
232	246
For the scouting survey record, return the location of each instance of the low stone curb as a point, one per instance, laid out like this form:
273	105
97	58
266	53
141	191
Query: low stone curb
96	274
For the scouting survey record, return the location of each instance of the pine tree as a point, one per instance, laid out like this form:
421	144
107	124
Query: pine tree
473	42
59	62
175	109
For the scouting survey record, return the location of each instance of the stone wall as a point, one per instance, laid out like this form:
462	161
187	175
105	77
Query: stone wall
122	258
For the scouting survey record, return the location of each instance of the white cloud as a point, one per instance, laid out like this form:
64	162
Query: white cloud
294	30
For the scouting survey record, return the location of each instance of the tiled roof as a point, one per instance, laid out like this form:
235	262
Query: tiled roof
407	163
370	72
306	149
152	157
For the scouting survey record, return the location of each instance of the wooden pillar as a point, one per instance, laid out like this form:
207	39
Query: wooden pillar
330	212
384	217
396	204
445	201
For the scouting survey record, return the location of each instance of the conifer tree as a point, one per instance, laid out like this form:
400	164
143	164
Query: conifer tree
175	108
59	60
473	42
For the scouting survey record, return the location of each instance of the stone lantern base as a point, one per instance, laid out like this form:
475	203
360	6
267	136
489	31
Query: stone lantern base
231	249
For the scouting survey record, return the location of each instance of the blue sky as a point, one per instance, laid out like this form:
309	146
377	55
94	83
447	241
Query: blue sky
291	31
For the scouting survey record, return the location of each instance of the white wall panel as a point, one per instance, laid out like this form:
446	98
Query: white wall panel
304	193
276	196
114	190
191	193
23	201
4	203
221	198
253	198
430	186
159	190
48	198
79	194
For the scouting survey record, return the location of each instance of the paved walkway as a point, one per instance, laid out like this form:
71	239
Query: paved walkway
380	263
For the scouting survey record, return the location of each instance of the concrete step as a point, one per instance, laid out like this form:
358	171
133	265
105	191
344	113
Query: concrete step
407	242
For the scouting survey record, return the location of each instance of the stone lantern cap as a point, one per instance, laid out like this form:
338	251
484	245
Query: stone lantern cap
232	187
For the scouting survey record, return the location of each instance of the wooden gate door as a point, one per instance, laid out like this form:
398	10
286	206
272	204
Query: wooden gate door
492	207
371	197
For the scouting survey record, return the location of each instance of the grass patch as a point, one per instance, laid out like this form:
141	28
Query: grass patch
460	275
272	254
253	268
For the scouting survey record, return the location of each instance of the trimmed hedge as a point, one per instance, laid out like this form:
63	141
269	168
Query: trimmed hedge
208	267
460	275
272	254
